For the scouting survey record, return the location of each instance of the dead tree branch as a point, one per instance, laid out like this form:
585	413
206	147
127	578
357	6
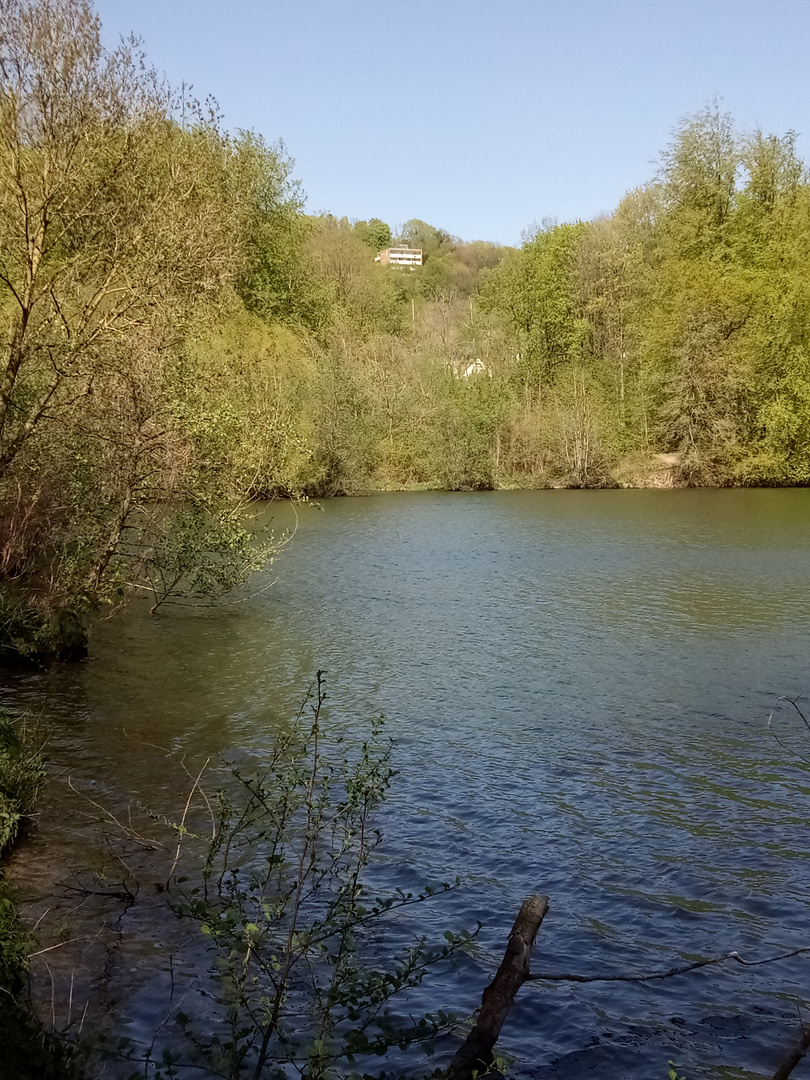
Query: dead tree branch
475	1056
795	1056
647	977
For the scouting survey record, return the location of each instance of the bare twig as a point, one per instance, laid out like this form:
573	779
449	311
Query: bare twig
50	948
53	997
182	763
84	1014
784	745
647	977
794	702
181	829
39	920
143	841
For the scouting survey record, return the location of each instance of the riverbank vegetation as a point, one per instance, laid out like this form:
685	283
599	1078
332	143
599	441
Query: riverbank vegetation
180	338
28	1050
283	893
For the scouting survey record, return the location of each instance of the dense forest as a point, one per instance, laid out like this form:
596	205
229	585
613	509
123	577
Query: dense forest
181	339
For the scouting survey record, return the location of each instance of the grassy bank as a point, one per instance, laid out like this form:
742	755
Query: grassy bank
27	1049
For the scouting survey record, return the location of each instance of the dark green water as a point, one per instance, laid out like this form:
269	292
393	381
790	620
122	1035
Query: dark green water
578	686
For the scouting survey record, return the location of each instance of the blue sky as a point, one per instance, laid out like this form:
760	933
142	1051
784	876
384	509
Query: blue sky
478	117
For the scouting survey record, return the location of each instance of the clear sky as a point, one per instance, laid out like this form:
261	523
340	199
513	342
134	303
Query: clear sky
478	116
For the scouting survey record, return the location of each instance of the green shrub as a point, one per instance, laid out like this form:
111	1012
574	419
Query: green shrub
13	941
21	773
32	631
292	923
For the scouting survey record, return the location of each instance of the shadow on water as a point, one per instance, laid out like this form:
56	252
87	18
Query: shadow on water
577	684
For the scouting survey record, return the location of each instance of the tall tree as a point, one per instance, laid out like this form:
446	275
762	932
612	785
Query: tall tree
374	232
122	220
699	174
114	217
538	291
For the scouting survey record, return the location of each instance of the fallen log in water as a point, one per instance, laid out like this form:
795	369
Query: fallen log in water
795	1056
475	1055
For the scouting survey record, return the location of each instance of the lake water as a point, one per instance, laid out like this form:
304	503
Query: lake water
578	686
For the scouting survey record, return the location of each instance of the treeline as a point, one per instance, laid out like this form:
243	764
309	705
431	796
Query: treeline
665	343
678	325
180	338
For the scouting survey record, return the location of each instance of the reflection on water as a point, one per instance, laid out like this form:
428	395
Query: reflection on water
577	684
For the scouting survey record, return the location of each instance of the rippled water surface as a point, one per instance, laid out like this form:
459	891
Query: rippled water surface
577	685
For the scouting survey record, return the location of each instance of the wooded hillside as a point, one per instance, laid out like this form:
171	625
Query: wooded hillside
180	338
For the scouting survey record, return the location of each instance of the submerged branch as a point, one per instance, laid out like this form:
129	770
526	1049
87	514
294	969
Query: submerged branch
647	977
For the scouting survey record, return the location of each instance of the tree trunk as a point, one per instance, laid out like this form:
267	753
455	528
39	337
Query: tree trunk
795	1056
476	1053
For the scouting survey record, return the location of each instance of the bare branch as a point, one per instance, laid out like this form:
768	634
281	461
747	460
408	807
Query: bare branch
647	977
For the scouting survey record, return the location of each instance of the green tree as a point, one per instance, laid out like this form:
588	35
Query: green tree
466	430
432	241
274	279
123	211
360	295
537	293
699	301
374	232
699	175
114	218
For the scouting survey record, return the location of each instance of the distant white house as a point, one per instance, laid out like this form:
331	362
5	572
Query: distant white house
400	256
465	369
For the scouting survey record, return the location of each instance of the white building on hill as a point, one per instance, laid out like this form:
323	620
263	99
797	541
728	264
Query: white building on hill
400	256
